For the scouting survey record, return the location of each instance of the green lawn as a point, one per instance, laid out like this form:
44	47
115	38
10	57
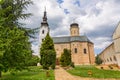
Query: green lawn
96	73
35	73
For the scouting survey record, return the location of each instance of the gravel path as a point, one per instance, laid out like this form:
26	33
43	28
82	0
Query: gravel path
61	74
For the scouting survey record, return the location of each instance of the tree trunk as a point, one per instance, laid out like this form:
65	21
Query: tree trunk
0	74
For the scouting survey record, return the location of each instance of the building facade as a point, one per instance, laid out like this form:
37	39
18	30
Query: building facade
82	49
111	54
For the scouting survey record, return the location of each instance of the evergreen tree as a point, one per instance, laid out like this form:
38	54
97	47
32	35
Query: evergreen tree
47	53
98	60
17	12
65	59
15	48
2	20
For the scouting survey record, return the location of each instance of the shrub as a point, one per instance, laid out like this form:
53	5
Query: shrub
98	60
101	67
65	59
110	67
72	64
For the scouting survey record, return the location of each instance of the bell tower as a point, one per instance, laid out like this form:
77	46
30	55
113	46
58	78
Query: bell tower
74	29
44	28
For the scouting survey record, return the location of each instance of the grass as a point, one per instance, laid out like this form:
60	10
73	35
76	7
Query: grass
35	73
96	73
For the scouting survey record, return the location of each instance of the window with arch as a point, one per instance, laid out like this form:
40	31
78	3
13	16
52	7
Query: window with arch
85	51
114	58
75	50
43	31
110	59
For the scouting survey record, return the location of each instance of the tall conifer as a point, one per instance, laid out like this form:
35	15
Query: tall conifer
47	53
65	59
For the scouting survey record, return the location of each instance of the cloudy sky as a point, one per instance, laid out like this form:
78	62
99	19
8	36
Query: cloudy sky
97	19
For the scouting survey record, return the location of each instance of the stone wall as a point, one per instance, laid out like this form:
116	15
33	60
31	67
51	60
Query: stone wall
60	47
81	52
108	55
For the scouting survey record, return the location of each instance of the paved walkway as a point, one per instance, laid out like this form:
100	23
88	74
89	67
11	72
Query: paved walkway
61	74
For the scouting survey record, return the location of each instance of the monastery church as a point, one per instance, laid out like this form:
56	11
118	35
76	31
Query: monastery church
82	49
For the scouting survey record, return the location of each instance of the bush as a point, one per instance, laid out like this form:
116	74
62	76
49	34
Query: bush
72	64
34	60
53	66
98	60
101	67
110	67
65	59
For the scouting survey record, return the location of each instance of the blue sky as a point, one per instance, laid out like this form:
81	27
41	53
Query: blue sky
97	19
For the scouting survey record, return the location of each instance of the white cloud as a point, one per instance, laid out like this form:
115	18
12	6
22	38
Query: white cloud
102	42
35	49
92	15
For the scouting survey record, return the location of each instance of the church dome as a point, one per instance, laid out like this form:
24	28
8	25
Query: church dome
74	24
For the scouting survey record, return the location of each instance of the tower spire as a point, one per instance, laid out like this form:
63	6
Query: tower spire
44	22
45	15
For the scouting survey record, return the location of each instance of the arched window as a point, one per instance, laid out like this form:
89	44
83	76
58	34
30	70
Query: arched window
114	58
75	50
85	51
110	59
42	31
